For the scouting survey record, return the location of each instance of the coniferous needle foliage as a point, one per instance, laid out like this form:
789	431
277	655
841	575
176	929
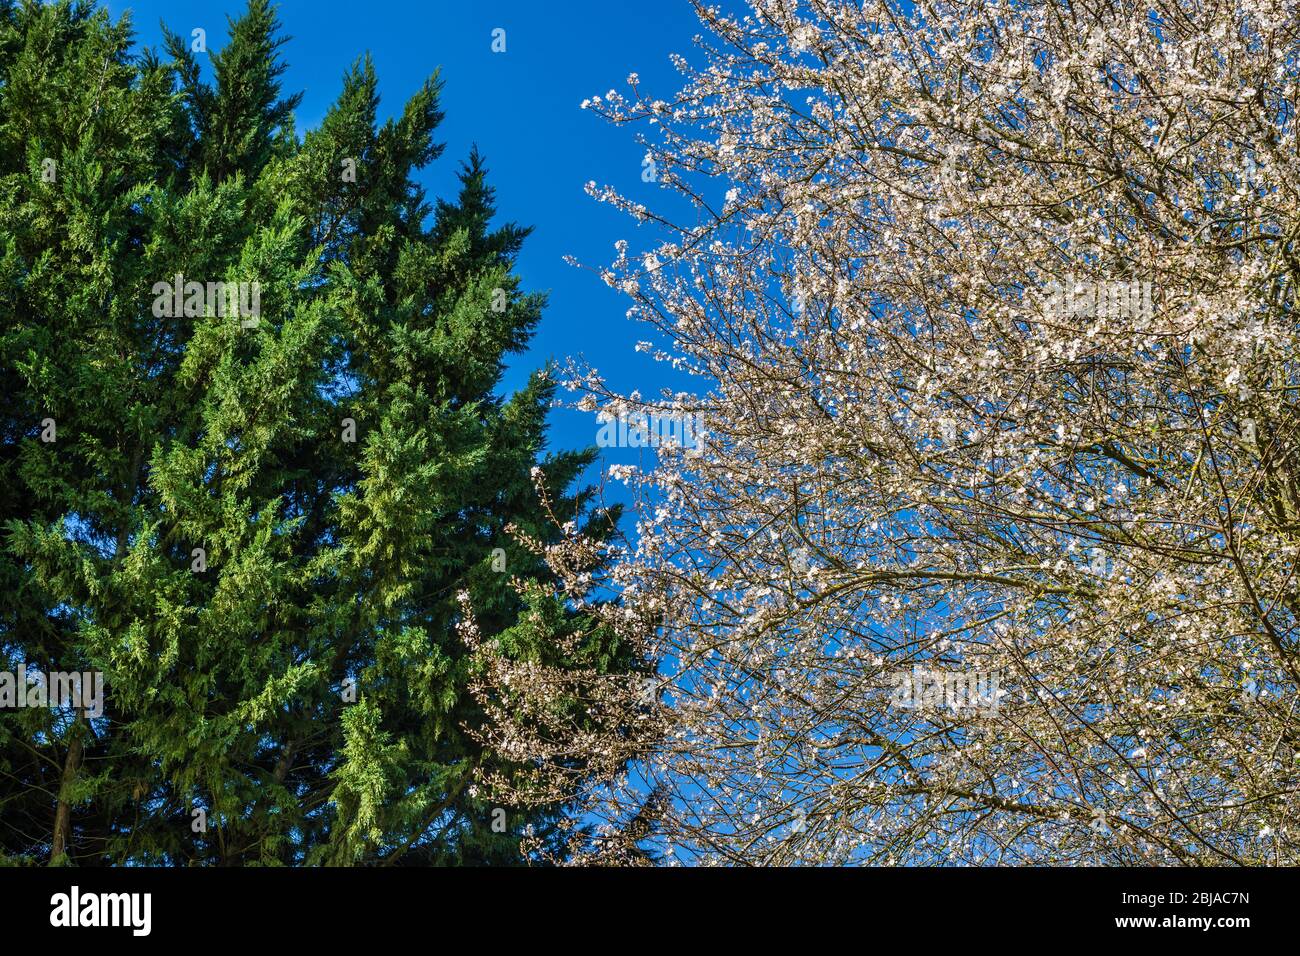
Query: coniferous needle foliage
258	528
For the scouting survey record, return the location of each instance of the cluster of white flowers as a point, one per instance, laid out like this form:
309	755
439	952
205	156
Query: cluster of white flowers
913	462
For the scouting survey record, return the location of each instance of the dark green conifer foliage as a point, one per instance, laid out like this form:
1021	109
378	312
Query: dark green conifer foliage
329	563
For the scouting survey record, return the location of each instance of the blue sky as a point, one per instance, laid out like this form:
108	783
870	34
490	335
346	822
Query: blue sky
522	109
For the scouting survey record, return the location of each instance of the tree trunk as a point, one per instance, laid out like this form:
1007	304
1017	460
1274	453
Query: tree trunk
63	813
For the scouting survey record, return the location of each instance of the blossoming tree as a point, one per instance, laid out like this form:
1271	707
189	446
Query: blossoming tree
992	307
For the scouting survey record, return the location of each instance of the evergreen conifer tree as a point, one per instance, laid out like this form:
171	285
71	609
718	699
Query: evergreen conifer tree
256	526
